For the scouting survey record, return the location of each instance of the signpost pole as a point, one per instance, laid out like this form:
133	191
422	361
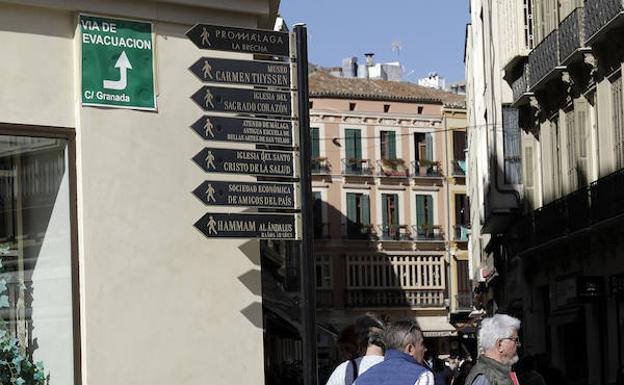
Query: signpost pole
307	236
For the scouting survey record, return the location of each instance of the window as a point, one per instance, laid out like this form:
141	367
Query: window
351	106
462	217
420	110
423	143
556	164
316	149
388	145
36	306
528	24
529	179
320	230
459	154
390	214
310	104
571	148
386	108
583	140
358	215
323	272
353	150
424	214
617	122
511	146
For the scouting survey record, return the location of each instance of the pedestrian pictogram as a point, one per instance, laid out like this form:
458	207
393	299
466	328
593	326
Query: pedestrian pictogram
210	193
117	63
210	161
207	70
208	128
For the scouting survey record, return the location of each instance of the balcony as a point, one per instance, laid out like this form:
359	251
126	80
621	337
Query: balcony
360	231
587	209
461	233
395	233
607	196
599	15
393	281
394	298
320	166
426	168
544	61
393	168
427	233
520	87
357	167
572	35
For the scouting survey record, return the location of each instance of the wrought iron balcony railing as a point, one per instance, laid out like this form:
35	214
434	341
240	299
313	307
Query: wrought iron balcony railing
427	232
426	168
360	231
598	15
571	35
544	59
356	166
580	210
520	86
395	233
394	298
320	166
392	168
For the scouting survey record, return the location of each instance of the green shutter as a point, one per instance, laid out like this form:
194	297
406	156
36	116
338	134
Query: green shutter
365	215
395	213
349	143
429	144
420	210
384	210
429	205
391	138
351	207
358	144
314	133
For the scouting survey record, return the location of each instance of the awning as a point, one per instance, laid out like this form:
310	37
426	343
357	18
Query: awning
436	326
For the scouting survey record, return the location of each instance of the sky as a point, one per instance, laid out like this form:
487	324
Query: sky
430	33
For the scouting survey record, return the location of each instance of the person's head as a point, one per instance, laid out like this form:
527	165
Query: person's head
498	338
347	342
369	330
406	336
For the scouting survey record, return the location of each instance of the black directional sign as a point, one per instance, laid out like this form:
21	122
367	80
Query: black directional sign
269	195
267	226
259	131
250	162
222	38
243	101
256	73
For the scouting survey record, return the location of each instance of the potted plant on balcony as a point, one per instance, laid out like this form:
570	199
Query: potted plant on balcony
426	230
319	163
393	167
16	366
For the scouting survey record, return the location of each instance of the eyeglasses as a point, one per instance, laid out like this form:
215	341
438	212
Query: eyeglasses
516	340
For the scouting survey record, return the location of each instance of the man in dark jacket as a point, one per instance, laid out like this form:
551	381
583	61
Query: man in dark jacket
498	344
403	362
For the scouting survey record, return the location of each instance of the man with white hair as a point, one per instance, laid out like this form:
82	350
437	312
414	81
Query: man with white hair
498	345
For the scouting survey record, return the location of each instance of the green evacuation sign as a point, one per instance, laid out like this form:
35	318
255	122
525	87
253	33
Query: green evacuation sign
117	63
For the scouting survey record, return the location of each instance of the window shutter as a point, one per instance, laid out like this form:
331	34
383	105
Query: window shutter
395	213
429	141
420	210
351	208
391	145
314	133
349	143
365	214
429	206
384	209
383	144
459	145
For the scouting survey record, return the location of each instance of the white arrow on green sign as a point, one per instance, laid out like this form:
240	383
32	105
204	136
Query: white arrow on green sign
117	63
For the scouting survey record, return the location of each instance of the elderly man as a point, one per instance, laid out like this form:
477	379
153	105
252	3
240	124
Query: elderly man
498	344
403	362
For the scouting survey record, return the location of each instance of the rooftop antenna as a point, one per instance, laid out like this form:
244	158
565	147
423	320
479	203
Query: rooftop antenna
397	47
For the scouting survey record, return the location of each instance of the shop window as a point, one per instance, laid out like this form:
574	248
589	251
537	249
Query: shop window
35	255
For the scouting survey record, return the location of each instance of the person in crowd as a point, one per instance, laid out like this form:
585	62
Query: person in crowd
464	370
404	358
498	348
442	374
368	331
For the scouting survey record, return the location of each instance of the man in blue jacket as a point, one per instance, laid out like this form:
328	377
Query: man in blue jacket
403	362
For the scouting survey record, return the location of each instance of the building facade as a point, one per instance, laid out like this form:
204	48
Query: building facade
552	71
390	213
